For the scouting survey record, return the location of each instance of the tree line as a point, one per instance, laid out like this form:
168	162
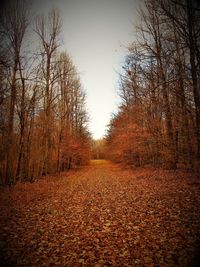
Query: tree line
43	119
158	122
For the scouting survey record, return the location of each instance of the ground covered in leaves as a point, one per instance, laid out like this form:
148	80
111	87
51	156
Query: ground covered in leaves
102	215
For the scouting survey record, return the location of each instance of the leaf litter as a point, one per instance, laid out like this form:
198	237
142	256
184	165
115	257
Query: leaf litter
102	215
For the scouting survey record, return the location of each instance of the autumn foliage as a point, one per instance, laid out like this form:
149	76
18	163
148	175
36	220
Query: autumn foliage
102	215
43	126
98	149
158	122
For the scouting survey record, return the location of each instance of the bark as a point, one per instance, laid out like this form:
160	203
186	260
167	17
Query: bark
10	138
192	49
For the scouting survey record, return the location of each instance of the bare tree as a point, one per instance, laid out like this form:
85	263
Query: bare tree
48	31
160	89
14	22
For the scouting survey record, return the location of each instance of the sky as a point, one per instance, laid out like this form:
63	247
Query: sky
95	35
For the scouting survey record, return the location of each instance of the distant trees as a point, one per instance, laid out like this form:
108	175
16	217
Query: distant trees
98	149
158	121
42	103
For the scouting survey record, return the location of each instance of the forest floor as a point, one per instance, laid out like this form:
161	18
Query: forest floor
102	215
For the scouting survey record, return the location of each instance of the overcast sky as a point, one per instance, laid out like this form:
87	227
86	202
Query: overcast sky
95	33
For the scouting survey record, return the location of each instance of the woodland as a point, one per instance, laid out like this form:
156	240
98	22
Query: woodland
158	122
43	115
128	199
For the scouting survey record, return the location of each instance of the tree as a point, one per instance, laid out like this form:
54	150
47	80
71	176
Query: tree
13	24
43	115
48	31
159	89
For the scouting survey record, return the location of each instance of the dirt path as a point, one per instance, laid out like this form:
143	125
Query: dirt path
102	215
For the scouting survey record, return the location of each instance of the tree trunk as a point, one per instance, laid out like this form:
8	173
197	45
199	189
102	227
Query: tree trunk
10	138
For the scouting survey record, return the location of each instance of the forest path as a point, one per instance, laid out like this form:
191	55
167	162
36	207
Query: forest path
102	215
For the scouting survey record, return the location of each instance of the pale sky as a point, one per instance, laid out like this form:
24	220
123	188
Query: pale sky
95	34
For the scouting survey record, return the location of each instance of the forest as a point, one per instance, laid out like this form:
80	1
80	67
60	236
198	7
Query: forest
43	127
130	198
44	123
158	122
